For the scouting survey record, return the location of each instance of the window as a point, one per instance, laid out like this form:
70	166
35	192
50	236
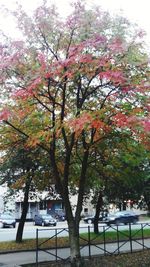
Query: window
43	205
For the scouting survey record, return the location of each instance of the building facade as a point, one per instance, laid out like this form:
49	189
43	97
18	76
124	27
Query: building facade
48	201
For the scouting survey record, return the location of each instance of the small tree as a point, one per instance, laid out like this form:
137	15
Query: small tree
22	169
117	172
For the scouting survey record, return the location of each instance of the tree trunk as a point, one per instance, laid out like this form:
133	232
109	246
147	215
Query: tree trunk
124	205
148	207
73	222
73	226
75	257
24	213
120	206
147	200
99	205
62	184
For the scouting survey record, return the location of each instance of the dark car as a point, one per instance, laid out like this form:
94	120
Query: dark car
44	220
90	219
122	217
7	220
59	215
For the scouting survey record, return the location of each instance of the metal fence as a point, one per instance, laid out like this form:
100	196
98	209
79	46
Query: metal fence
110	240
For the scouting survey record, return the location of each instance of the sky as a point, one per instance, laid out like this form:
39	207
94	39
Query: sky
136	10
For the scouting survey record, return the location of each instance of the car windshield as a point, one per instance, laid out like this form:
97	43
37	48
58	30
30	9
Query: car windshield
121	213
47	217
6	216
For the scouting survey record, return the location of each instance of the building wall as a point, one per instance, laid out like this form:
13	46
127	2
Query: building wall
32	209
2	193
87	209
1	204
40	202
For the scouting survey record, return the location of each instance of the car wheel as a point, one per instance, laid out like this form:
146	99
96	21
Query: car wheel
89	221
14	225
54	224
134	221
117	222
1	225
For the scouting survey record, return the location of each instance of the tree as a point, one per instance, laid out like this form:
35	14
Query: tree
72	84
24	169
119	170
129	171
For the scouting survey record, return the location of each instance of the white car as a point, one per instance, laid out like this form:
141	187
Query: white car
7	220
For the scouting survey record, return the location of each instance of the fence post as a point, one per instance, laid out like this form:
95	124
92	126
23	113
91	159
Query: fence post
56	243
89	241
130	237
104	238
118	240
36	247
142	235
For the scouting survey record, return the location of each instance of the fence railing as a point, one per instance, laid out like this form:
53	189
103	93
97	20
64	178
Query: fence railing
110	240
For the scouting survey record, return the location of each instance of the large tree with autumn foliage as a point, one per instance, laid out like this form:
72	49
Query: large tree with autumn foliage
72	83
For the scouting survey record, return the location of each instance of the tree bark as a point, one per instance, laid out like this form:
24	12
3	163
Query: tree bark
19	234
147	200
62	183
99	205
124	205
75	256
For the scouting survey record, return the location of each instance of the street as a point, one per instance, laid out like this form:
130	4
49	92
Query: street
9	234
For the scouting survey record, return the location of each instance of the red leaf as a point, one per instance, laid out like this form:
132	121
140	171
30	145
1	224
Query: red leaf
146	125
97	124
4	115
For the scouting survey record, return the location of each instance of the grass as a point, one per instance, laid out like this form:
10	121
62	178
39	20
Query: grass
30	244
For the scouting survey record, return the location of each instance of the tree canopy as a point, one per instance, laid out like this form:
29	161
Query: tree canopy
70	84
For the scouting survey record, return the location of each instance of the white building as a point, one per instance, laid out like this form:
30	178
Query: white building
2	193
39	202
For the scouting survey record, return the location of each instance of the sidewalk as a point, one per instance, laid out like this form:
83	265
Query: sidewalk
15	259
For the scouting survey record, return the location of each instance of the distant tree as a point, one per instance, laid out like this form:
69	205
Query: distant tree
119	172
23	169
130	173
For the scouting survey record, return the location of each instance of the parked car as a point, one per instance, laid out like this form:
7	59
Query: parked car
90	219
61	214
122	217
7	220
44	220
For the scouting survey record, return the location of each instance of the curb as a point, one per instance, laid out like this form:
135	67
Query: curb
6	265
15	251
